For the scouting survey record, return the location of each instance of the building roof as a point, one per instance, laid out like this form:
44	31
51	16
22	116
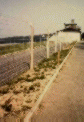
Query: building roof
70	24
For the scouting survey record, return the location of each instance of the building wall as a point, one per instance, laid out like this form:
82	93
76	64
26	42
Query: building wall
69	36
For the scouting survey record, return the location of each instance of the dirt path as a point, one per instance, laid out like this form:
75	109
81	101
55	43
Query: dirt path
64	101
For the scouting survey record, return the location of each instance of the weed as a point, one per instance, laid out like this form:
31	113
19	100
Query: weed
34	78
24	94
42	76
7	106
28	75
45	69
41	106
37	89
16	92
4	91
21	86
30	79
36	69
12	87
53	67
29	101
25	107
32	87
11	82
20	78
35	100
42	72
37	84
26	90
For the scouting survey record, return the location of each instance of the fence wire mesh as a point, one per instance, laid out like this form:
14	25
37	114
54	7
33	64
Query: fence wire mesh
13	64
17	57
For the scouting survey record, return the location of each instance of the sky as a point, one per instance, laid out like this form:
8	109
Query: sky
45	15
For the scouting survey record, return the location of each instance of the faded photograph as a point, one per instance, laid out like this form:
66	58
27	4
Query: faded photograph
41	61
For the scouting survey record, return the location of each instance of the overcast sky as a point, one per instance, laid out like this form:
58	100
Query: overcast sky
16	15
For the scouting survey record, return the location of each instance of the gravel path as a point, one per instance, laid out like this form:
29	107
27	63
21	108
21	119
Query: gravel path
64	101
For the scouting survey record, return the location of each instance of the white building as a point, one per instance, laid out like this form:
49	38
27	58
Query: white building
70	33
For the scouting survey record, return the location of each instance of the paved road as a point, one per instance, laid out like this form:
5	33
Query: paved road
64	101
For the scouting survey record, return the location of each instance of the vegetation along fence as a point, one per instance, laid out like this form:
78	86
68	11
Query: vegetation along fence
17	58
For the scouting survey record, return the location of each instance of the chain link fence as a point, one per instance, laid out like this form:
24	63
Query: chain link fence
17	58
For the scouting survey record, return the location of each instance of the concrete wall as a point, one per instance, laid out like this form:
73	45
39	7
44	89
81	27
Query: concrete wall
69	36
66	37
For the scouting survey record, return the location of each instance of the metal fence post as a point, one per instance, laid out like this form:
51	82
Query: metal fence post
48	46
60	45
58	57
55	46
32	38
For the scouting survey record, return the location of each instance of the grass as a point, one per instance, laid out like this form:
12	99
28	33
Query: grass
44	64
52	61
18	47
13	48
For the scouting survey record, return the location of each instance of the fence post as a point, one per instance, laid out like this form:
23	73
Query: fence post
8	70
55	46
48	46
40	40
60	43
57	41
58	57
32	38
